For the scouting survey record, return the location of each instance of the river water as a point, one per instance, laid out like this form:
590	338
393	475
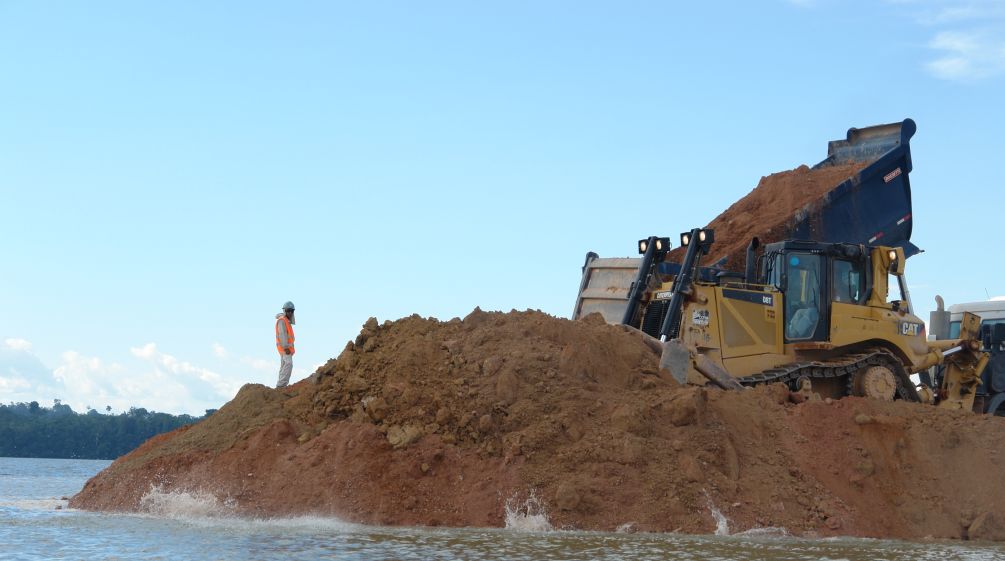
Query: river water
35	524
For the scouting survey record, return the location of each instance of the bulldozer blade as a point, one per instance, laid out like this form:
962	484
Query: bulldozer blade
961	378
653	343
675	359
716	374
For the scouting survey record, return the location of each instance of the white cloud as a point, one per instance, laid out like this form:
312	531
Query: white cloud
147	351
967	55
89	381
966	36
219	351
955	14
78	380
936	13
17	344
222	386
13	385
21	373
260	364
157	381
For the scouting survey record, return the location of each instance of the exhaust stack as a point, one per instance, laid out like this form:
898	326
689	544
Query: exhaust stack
750	270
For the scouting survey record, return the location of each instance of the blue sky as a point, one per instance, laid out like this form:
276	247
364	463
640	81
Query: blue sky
171	173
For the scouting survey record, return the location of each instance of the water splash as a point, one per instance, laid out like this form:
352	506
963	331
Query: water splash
529	515
183	504
203	509
721	522
722	525
626	528
768	532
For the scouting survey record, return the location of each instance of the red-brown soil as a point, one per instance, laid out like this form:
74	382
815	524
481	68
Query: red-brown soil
422	422
769	211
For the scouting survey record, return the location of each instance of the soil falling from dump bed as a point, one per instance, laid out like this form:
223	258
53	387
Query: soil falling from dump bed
422	422
768	211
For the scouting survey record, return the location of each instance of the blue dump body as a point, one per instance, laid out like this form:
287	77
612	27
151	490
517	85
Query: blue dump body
873	207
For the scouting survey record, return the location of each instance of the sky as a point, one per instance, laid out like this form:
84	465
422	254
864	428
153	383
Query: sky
172	172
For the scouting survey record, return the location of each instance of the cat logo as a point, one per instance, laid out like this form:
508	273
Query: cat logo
911	329
666	294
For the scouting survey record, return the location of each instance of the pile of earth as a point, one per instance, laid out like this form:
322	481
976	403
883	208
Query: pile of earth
770	210
423	422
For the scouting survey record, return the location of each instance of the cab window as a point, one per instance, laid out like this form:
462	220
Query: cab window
774	265
802	295
847	281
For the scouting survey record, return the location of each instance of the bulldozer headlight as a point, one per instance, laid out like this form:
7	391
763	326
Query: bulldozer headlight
661	245
701	236
685	239
706	236
892	254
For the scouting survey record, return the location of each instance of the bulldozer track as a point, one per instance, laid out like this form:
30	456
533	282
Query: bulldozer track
845	367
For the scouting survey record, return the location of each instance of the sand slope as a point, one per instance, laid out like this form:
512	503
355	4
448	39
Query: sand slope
423	422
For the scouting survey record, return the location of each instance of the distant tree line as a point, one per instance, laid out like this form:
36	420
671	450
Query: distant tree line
28	430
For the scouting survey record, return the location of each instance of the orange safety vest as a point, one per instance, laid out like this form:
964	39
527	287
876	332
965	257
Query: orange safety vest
289	332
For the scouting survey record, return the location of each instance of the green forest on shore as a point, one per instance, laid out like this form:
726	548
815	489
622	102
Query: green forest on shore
28	430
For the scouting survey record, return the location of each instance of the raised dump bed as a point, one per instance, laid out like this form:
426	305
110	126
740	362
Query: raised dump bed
860	193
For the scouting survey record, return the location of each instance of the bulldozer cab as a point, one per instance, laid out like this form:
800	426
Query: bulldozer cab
804	289
810	277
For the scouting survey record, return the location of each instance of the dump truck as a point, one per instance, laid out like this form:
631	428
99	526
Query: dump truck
870	206
810	309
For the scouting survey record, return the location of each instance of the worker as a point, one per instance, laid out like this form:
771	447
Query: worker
284	343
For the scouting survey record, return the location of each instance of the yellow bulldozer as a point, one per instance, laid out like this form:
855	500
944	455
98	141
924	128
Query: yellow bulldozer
815	316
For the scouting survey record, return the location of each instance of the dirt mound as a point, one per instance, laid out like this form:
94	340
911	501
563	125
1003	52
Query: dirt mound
422	422
769	211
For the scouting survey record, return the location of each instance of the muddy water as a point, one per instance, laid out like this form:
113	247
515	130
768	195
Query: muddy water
182	528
